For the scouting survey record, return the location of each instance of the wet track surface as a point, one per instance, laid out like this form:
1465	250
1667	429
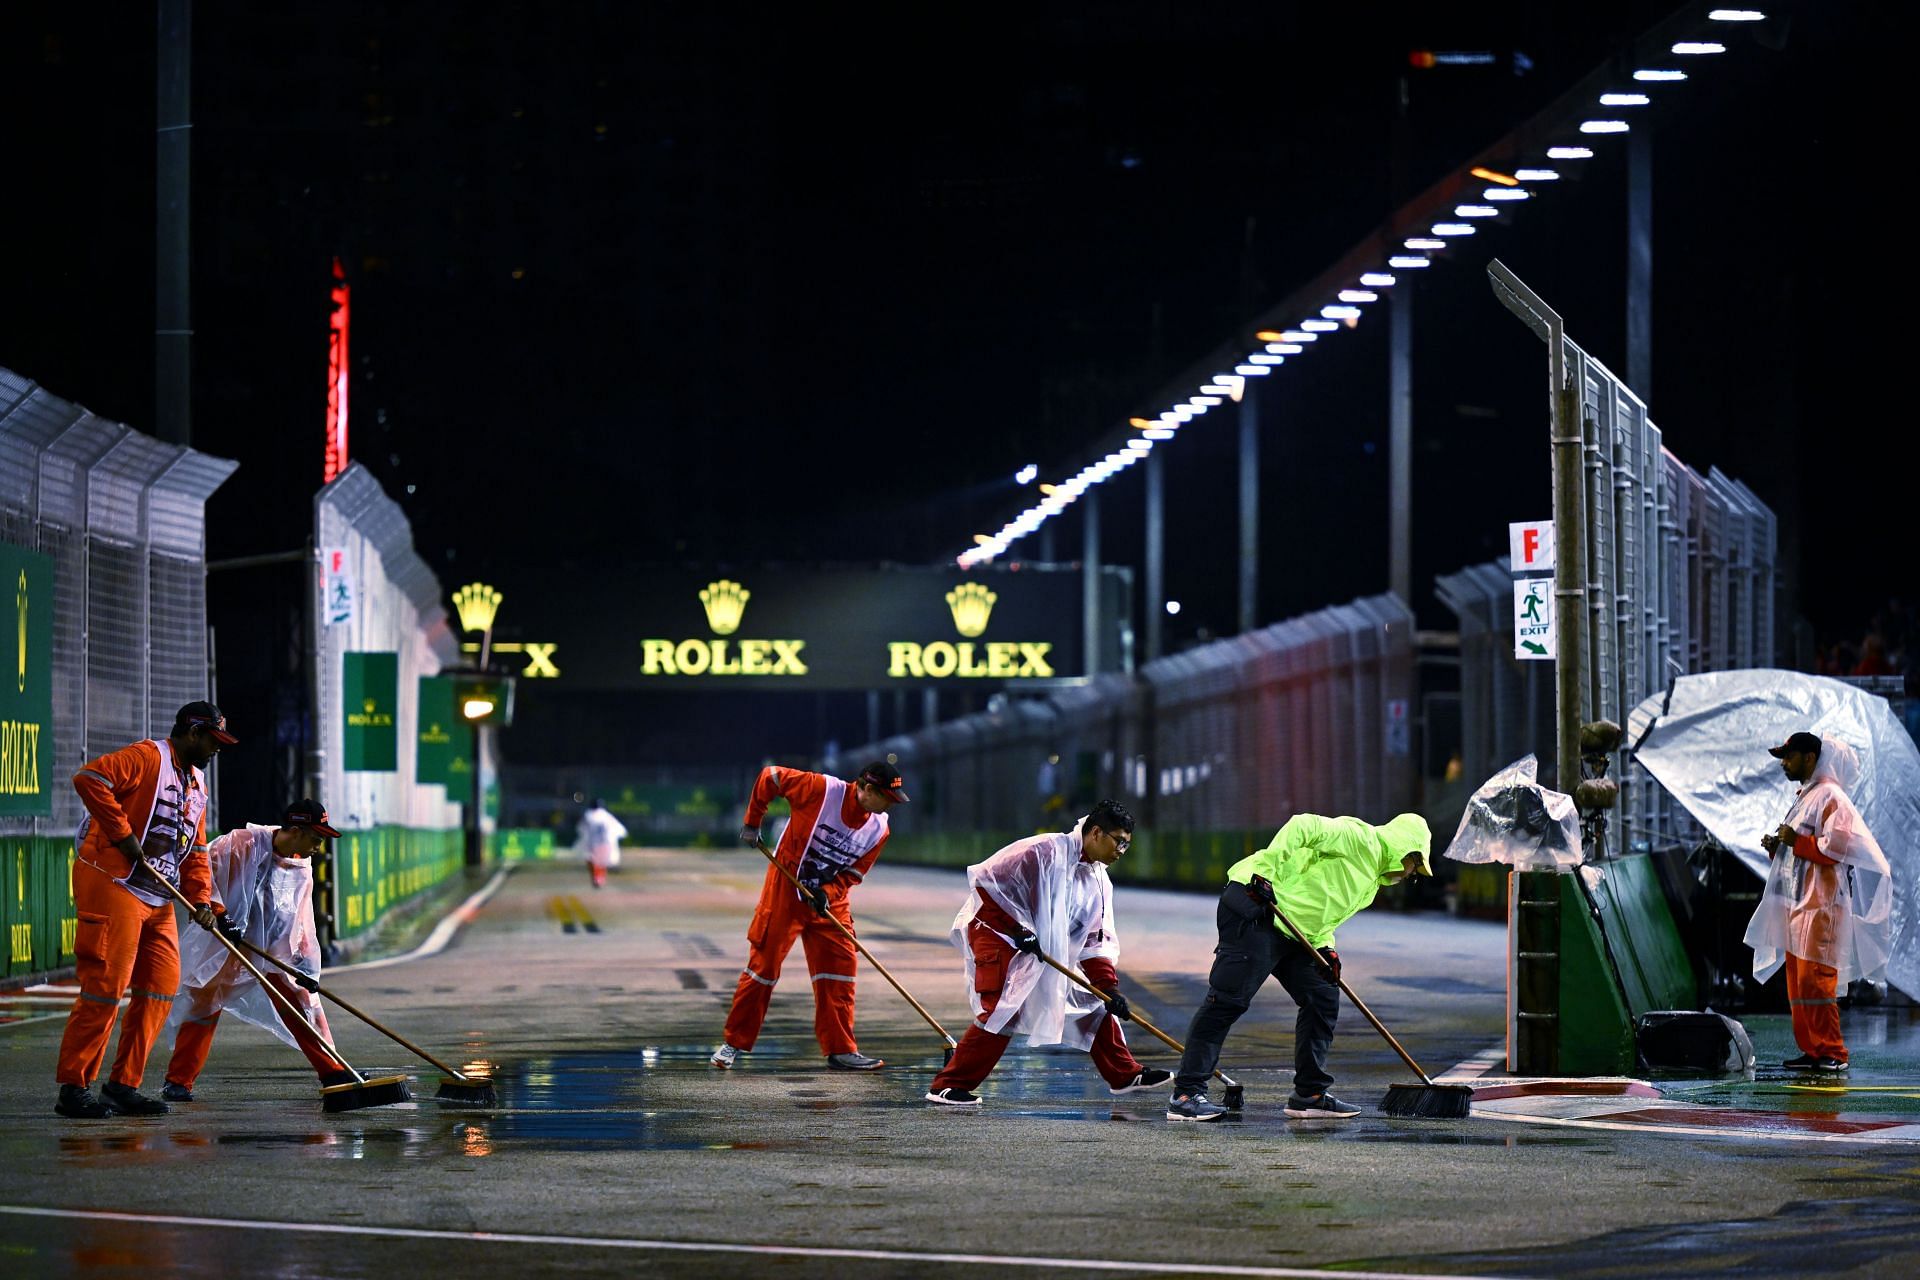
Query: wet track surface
615	1149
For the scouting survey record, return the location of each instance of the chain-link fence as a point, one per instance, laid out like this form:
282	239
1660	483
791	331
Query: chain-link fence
121	518
1680	576
374	598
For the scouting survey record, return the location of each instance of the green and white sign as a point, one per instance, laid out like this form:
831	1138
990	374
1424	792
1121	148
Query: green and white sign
443	743
370	694
1533	630
26	684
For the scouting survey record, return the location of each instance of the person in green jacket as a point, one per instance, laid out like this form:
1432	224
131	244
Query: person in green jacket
1321	872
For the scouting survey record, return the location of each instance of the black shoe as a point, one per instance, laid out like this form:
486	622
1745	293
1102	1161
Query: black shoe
1324	1107
328	1079
1194	1106
1802	1063
171	1092
1151	1078
78	1103
953	1097
129	1101
855	1061
1830	1066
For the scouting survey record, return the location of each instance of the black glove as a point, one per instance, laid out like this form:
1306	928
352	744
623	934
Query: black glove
1332	958
230	929
1260	891
1117	1006
306	982
750	836
1026	942
816	897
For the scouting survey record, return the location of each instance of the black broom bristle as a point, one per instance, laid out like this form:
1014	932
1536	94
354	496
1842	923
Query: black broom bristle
1427	1102
1235	1097
478	1093
380	1092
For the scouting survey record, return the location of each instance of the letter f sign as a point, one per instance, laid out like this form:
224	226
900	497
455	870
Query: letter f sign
1529	545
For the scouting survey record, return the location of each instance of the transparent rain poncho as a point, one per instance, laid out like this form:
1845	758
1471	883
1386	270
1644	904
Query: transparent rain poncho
1515	820
1837	916
1043	883
271	899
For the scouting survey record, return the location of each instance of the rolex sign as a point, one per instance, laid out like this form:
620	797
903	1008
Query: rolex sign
778	626
26	684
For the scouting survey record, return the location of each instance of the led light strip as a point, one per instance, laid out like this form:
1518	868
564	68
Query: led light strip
1344	310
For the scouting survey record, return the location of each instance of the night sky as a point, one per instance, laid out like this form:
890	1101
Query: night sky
652	283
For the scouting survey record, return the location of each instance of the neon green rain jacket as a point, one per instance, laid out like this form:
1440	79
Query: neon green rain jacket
1325	870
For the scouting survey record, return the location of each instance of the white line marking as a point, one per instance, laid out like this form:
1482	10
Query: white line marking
699	1246
1878	1138
443	932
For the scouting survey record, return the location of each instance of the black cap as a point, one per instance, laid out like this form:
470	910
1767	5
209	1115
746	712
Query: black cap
197	715
308	813
884	776
1802	741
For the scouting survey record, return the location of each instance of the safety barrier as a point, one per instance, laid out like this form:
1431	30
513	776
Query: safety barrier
380	626
521	844
102	537
379	868
1213	748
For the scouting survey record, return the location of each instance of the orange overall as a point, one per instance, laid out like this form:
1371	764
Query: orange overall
122	941
1812	987
781	917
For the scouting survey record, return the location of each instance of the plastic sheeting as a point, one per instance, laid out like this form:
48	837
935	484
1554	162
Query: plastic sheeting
270	900
1708	747
1512	819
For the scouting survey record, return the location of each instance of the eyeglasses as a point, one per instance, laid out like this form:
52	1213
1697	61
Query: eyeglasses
1120	843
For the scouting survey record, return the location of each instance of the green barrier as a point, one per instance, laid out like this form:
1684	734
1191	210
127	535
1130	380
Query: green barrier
36	904
521	844
1593	951
379	868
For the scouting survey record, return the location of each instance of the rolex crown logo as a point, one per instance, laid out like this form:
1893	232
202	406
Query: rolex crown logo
370	704
20	600
725	602
972	605
476	603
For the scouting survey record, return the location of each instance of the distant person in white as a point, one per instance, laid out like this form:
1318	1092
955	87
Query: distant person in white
600	835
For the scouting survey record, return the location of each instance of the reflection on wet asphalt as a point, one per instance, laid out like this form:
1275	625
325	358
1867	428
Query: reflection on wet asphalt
1808	1238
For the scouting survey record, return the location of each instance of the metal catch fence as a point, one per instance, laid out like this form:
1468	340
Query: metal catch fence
120	520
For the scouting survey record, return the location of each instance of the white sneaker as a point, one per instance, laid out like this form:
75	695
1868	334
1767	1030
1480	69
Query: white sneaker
723	1056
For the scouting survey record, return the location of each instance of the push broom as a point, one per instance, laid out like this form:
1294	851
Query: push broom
355	1094
456	1087
917	1006
1423	1101
1235	1094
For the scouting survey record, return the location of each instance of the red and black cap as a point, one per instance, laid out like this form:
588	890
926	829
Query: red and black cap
308	813
203	715
1802	741
886	777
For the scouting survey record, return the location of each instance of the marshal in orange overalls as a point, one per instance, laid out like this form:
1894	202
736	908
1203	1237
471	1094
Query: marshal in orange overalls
123	940
835	846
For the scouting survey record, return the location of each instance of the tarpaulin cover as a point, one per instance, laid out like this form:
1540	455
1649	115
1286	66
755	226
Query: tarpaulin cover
1515	820
1709	749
